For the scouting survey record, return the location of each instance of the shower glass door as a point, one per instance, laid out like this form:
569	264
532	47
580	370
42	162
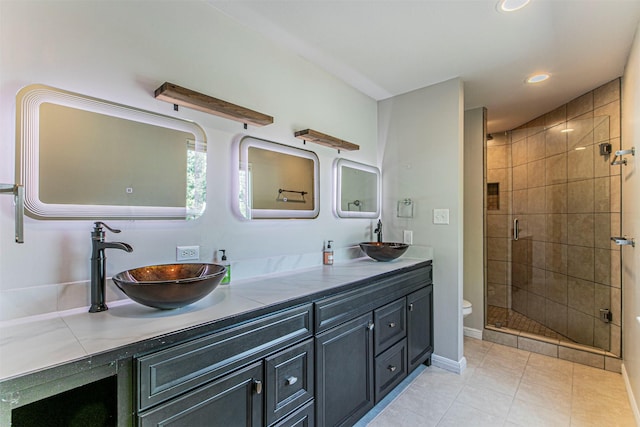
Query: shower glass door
552	269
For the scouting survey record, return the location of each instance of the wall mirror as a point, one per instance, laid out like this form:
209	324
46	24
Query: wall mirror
276	181
85	158
357	190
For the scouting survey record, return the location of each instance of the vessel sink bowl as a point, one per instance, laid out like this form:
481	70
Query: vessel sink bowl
383	251
169	286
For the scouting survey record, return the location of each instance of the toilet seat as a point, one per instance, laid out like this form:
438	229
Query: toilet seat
466	307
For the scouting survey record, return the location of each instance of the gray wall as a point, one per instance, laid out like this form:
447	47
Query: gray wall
421	138
474	131
122	52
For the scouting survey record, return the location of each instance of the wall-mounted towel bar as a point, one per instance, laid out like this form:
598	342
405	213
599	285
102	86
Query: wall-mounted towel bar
282	198
623	241
18	199
621	153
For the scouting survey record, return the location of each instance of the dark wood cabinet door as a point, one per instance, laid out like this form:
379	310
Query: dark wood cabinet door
420	326
344	372
233	401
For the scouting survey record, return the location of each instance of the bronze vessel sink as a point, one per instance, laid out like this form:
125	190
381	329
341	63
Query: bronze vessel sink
169	286
383	251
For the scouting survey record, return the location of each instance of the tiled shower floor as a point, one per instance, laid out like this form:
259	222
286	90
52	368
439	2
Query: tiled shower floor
504	317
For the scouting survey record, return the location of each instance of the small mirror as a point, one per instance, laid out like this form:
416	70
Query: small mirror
85	158
276	181
357	190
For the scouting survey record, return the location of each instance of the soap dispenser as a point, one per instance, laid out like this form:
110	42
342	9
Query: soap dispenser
227	277
327	254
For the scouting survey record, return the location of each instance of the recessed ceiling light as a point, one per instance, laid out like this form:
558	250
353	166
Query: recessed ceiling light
512	5
537	78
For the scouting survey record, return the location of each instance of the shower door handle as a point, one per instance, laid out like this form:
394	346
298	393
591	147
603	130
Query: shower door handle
516	233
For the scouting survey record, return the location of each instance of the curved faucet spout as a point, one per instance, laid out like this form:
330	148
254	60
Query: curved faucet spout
114	245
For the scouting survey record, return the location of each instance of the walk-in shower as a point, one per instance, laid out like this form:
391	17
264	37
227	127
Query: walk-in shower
552	204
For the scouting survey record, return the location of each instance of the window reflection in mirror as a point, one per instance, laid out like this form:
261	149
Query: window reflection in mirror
357	190
85	158
276	181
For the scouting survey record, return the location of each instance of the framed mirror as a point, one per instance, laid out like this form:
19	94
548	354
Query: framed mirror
276	181
85	158
357	190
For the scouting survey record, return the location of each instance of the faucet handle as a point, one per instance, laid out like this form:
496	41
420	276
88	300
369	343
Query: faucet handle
99	224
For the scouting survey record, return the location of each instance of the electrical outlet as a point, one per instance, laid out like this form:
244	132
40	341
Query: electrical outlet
185	253
408	237
441	216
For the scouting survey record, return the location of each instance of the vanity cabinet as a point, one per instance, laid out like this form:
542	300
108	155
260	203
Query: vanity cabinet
324	359
229	377
368	340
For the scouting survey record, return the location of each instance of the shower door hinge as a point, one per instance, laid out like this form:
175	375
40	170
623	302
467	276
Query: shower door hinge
605	315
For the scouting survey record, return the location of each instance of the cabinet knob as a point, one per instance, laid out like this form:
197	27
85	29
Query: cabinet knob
392	368
257	386
291	380
370	325
410	307
392	324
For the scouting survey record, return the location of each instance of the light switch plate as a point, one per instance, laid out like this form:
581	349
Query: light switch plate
441	216
408	237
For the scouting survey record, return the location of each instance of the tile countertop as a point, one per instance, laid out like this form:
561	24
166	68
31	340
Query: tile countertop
30	345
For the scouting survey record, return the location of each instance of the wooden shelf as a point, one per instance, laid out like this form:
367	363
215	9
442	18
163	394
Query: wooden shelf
327	140
177	95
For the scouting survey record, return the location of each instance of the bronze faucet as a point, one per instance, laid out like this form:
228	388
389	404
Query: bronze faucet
378	230
99	265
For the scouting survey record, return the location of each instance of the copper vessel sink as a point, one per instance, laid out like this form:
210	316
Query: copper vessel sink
383	251
169	286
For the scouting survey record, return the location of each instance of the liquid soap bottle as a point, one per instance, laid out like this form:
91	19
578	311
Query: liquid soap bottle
227	277
327	254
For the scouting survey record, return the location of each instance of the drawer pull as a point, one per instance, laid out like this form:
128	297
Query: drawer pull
392	368
291	380
370	325
392	324
257	386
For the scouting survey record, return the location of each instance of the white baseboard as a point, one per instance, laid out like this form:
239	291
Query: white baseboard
632	399
448	364
473	333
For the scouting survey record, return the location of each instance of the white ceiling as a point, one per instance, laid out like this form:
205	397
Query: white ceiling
389	47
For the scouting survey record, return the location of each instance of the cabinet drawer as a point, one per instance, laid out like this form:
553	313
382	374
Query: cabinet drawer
230	401
303	417
390	324
168	373
289	380
391	369
340	308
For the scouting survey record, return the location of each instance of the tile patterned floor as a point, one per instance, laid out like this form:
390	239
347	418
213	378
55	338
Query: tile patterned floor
499	316
505	386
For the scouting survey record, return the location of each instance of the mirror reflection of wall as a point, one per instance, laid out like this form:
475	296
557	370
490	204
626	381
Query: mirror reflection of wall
357	190
85	158
282	178
134	164
277	181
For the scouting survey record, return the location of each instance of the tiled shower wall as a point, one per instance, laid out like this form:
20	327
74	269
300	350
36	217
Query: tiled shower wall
566	196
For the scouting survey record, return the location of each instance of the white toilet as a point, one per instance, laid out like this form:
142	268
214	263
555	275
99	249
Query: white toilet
466	308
